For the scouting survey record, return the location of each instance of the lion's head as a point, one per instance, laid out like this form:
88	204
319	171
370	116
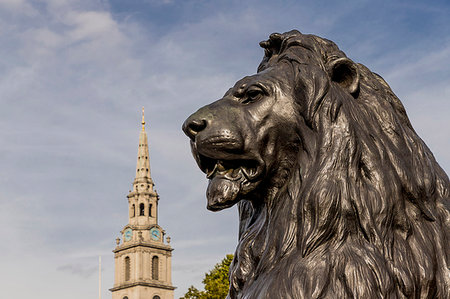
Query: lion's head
239	140
338	196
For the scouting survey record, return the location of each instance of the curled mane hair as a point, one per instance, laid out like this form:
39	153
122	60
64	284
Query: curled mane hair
363	211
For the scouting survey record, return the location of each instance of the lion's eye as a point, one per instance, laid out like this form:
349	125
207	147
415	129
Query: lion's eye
252	95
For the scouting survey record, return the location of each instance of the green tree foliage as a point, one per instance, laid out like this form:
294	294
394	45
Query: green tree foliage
216	282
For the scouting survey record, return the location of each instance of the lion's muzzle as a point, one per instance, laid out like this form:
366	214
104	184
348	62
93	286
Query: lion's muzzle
193	125
219	148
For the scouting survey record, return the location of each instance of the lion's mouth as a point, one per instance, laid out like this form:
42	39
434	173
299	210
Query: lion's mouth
231	168
228	179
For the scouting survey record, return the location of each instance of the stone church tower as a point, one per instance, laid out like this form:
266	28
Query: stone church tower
143	258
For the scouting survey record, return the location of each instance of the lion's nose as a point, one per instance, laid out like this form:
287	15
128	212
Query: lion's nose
192	126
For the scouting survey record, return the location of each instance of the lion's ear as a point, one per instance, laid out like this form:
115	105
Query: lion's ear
345	72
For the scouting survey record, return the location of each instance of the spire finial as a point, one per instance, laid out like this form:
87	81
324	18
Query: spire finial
143	121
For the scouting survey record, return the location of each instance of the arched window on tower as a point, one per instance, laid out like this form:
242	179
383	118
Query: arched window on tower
141	209
127	268
155	268
156	297
150	210
132	211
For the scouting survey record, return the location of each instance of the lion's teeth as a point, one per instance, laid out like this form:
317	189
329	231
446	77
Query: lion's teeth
210	173
219	166
249	172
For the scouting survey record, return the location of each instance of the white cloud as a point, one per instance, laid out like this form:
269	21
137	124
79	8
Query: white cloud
18	7
429	63
90	25
77	269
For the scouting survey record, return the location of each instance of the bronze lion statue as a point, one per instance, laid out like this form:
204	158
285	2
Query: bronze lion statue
338	196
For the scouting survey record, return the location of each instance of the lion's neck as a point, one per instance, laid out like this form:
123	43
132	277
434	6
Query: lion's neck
267	233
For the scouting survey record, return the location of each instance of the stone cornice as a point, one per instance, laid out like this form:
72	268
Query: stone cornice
142	244
148	193
143	283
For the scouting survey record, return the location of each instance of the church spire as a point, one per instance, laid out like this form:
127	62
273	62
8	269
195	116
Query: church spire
143	258
143	120
143	161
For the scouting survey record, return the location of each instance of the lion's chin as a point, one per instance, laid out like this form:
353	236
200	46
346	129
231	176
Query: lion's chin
222	193
224	190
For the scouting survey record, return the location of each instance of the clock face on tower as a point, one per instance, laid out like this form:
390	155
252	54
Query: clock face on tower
155	234
128	234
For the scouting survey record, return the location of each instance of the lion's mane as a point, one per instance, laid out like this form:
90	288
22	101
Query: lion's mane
364	212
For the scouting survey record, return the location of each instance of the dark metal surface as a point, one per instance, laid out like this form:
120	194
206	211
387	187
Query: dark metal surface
338	197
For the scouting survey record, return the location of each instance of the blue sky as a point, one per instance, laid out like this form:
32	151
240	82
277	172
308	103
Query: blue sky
75	74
